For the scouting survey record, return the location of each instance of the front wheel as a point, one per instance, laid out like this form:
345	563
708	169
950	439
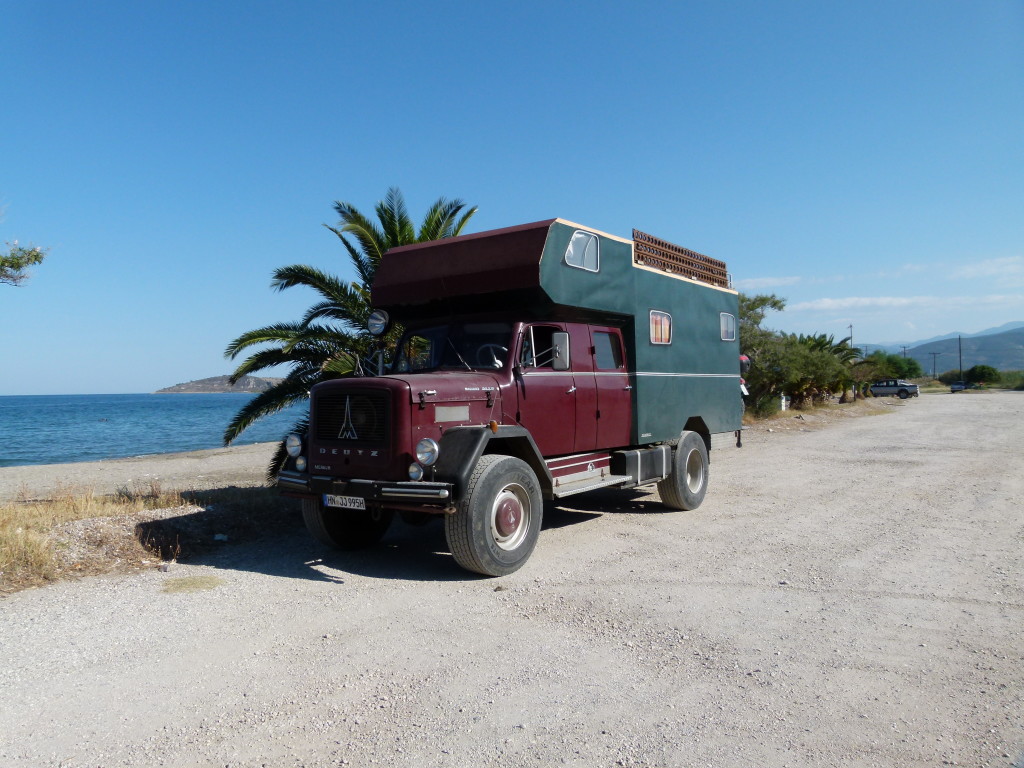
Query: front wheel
494	529
904	394
687	482
345	528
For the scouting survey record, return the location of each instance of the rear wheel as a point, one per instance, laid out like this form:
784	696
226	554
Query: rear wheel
345	528
687	482
494	529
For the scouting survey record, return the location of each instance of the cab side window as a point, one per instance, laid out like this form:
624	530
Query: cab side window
607	351
538	347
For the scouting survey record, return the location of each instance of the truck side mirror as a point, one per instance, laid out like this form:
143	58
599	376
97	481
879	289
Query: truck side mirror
560	340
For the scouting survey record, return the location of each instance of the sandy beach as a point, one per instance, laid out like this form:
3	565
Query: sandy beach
243	465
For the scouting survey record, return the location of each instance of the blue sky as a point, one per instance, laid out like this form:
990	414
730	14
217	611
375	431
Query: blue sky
862	160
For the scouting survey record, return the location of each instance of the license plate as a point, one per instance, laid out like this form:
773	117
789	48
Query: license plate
345	502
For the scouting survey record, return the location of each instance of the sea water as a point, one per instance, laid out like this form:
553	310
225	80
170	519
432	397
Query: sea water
56	429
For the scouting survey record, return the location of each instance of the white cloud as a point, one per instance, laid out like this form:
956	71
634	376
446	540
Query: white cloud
1008	271
902	271
903	302
862	302
1008	266
761	283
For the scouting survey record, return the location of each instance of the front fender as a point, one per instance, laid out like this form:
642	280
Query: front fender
462	447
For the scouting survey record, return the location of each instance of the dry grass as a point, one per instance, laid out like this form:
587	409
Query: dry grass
823	412
78	533
192	583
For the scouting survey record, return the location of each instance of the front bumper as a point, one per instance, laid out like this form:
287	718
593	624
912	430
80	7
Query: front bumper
380	491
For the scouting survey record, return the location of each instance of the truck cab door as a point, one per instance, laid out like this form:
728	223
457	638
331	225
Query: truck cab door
614	389
546	397
586	389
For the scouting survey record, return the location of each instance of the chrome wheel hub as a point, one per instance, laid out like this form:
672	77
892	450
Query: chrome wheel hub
510	516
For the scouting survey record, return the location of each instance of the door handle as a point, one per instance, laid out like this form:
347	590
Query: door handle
628	387
571	390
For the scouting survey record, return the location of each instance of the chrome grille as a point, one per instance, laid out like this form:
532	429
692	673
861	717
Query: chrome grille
352	417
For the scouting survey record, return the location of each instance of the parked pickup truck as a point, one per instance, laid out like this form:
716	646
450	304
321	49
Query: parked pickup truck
536	362
895	387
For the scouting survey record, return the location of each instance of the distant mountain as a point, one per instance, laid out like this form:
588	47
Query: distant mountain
1003	351
897	346
253	384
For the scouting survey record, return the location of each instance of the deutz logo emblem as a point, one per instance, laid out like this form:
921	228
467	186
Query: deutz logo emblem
348	430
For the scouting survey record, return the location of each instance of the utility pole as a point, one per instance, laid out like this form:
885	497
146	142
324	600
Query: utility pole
850	326
904	351
960	345
935	356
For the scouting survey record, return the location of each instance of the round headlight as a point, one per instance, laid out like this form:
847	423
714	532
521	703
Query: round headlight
377	322
415	471
426	451
300	463
293	445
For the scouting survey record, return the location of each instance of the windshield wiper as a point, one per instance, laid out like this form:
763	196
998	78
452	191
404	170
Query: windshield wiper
456	351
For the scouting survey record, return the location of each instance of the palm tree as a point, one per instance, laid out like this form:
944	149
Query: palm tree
331	339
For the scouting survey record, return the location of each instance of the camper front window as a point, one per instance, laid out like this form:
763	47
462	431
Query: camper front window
583	251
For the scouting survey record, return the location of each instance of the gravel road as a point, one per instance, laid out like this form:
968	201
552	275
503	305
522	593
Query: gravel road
848	595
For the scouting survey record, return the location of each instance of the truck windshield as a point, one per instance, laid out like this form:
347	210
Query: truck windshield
457	346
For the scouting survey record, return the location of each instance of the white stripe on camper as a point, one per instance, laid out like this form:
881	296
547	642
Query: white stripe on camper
531	374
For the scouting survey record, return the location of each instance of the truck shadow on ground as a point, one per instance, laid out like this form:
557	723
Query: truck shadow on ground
616	501
251	534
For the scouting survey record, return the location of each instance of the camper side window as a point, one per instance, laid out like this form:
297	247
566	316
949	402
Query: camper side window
728	327
584	251
661	327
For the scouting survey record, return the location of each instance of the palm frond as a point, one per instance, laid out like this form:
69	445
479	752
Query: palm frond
364	267
269	334
327	285
369	236
350	308
265	359
463	221
394	219
440	220
340	365
327	337
290	391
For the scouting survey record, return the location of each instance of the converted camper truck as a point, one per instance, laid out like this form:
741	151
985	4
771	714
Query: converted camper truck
536	362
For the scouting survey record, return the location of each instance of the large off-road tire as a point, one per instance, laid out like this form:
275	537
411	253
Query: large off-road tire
345	528
687	483
495	527
903	394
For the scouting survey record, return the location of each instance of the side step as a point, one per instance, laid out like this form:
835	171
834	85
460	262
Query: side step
588	484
